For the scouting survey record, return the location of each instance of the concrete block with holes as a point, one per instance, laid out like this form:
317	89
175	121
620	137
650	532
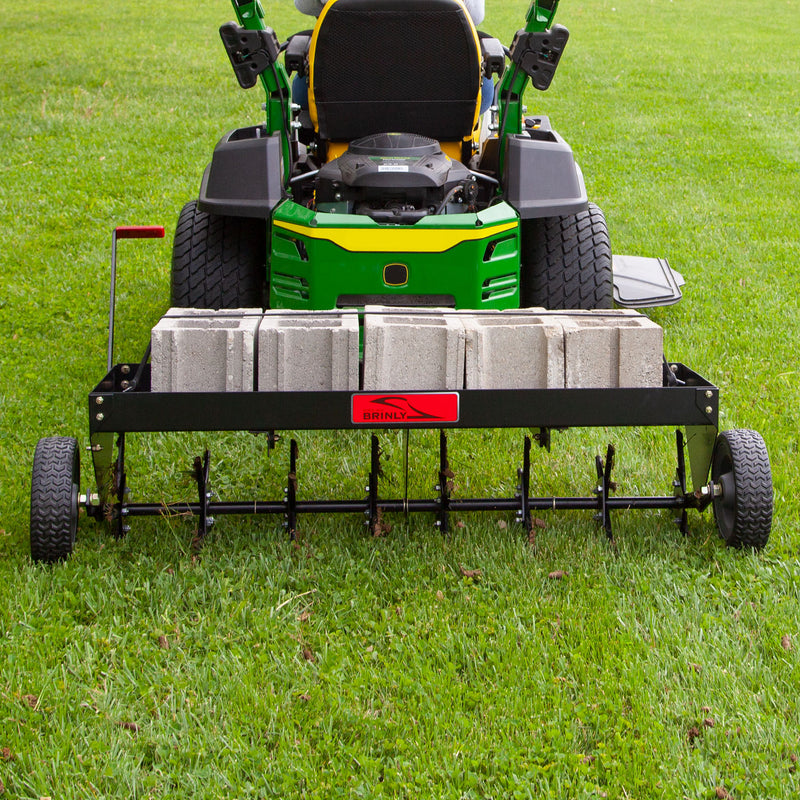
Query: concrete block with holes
514	350
197	350
413	349
609	349
308	351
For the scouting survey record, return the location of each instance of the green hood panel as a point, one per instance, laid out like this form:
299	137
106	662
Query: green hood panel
321	260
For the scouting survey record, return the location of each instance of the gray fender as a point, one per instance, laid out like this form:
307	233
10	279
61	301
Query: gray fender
542	177
244	178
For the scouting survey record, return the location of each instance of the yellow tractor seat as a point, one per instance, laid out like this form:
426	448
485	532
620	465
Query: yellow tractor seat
378	66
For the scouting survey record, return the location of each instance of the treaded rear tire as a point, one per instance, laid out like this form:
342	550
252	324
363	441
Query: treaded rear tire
54	498
566	261
740	465
218	261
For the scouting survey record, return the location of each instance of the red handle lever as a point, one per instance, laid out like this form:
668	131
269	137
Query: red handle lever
139	232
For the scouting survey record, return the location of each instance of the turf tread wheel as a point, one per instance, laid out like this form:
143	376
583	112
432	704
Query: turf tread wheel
54	498
741	463
218	261
566	261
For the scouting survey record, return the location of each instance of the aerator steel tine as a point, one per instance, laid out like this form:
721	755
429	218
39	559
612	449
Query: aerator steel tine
120	489
201	472
543	438
373	514
603	490
610	453
290	515
680	482
406	436
524	476
445	485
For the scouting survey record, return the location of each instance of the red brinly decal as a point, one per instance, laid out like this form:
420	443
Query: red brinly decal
390	409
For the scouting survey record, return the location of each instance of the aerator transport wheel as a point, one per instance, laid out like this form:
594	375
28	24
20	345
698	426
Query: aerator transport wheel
54	498
218	261
566	262
741	473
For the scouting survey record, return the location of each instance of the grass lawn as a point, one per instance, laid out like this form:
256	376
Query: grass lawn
411	666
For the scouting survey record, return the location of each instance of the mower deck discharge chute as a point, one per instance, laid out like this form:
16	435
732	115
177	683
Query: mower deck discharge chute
398	246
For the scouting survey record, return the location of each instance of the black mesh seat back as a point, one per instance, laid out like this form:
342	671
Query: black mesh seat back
394	65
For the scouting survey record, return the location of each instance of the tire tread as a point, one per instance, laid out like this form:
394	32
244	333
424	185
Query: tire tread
566	261
218	261
754	495
52	516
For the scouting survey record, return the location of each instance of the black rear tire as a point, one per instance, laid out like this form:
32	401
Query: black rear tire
218	261
566	262
741	472
54	498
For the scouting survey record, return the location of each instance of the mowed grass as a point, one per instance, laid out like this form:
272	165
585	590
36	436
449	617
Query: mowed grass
471	666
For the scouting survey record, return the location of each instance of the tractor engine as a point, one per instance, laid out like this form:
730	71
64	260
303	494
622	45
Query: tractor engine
395	178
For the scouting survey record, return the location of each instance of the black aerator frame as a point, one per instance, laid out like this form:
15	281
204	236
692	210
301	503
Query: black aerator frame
122	403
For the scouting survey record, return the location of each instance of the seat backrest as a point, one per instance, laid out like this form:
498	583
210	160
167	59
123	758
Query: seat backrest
379	66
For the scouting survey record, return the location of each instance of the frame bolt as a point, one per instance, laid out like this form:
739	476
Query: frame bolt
125	369
709	393
709	409
100	417
98	401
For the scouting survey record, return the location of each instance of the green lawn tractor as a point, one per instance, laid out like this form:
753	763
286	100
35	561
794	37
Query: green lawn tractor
385	185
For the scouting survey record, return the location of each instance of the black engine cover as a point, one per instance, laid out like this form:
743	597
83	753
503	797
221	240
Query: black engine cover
391	175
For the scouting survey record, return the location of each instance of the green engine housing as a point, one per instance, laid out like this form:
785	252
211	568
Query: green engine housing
321	260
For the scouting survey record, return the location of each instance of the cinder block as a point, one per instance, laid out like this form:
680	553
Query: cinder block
308	351
197	350
514	350
609	349
413	349
641	353
590	353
